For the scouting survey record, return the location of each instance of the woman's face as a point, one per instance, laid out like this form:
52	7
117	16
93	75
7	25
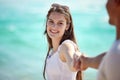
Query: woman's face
56	25
113	11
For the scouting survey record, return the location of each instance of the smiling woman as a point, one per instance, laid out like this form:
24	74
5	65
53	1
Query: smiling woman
23	46
62	45
56	24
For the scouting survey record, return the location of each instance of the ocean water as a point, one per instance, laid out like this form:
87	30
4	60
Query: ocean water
23	45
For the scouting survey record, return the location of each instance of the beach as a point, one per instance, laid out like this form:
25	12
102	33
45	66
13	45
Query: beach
23	45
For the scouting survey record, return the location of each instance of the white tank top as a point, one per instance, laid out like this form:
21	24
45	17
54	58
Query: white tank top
58	70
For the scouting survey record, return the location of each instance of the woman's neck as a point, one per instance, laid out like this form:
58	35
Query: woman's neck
55	44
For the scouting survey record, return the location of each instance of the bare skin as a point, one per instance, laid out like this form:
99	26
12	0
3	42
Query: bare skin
56	28
86	62
67	54
113	9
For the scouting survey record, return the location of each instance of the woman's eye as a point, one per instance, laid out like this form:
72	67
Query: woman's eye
60	23
50	21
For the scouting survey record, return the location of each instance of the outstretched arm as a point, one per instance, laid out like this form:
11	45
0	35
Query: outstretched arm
67	51
92	62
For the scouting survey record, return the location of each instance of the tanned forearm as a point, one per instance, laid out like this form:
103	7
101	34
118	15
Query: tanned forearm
95	61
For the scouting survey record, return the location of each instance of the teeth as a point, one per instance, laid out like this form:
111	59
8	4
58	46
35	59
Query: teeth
53	31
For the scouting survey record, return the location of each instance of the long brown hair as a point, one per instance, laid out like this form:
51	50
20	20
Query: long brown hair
69	34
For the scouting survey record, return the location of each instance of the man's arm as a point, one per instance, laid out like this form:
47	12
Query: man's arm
85	62
94	62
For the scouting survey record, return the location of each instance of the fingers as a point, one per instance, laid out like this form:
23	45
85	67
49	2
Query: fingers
83	60
76	62
80	62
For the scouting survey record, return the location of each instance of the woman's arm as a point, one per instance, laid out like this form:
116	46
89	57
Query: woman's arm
67	51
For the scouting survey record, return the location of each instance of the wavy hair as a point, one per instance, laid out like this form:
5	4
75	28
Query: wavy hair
69	34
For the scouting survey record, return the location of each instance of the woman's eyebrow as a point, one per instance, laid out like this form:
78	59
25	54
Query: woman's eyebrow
52	20
61	21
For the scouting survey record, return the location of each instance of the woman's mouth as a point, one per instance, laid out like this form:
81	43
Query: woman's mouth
53	31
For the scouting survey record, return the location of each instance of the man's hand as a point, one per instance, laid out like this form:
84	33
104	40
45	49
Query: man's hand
84	62
80	62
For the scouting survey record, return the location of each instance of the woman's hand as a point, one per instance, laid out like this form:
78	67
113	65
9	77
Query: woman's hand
76	62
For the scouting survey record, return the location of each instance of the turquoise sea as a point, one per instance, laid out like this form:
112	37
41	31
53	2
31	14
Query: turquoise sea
23	45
